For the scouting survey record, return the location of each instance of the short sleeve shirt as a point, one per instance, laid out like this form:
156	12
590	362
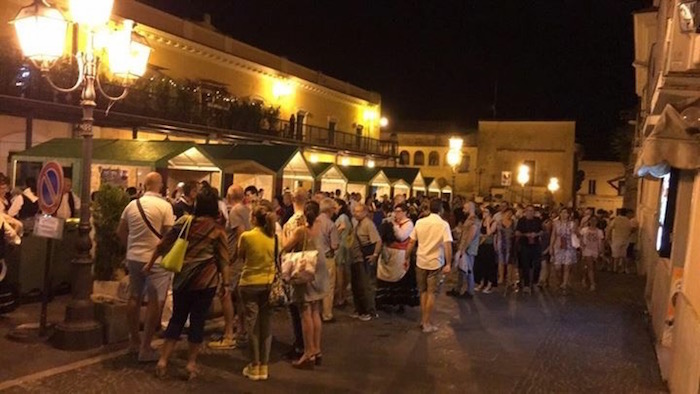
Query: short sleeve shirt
367	234
525	226
142	242
431	233
239	216
592	240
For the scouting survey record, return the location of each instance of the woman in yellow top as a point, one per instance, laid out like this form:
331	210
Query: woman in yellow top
257	250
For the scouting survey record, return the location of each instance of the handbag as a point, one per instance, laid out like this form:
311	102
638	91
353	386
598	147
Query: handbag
279	290
300	267
174	259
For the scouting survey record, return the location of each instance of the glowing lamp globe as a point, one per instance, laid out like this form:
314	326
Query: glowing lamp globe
370	163
456	143
91	13
454	158
553	185
383	122
41	30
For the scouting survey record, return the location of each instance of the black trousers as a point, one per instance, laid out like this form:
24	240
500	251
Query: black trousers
296	325
193	304
530	264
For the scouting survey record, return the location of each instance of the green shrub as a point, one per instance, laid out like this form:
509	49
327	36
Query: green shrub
109	203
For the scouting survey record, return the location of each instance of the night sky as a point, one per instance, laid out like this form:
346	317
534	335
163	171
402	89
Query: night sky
441	60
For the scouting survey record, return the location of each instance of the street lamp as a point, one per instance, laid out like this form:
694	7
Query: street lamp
41	30
383	122
523	178
454	158
553	186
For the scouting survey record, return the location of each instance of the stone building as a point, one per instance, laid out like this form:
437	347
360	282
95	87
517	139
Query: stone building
603	185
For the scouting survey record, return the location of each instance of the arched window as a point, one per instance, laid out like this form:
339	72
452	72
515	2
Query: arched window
418	158
404	158
434	159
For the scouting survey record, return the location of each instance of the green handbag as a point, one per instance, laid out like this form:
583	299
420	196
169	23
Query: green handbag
174	259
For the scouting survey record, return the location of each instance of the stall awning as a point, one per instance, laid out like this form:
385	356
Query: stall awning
434	185
412	176
400	184
272	157
668	145
327	172
155	154
359	174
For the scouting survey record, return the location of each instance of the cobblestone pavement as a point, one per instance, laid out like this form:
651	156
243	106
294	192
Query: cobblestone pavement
540	343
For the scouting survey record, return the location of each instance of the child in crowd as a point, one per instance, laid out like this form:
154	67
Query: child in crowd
592	240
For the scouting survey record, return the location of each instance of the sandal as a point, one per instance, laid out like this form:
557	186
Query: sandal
192	373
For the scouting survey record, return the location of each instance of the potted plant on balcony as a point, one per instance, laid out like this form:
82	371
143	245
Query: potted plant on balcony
110	307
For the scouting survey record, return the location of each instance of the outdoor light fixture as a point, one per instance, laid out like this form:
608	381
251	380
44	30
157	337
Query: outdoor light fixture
313	158
383	122
553	185
454	158
345	161
370	114
282	89
456	143
523	175
41	31
691	117
688	16
370	163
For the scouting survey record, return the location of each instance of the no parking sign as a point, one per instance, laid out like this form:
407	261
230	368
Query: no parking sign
50	187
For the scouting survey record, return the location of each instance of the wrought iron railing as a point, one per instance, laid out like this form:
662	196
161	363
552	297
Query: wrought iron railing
165	100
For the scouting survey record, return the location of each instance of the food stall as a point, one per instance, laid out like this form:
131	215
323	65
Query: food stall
434	189
366	181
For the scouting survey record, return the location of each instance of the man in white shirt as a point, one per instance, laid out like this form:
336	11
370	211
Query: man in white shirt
143	222
70	203
619	232
25	205
434	239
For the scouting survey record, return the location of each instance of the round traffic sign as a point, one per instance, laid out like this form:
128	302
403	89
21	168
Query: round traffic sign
50	187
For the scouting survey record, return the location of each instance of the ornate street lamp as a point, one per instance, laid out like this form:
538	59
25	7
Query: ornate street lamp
454	158
41	30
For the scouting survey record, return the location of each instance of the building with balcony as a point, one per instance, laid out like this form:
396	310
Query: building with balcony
201	86
603	185
667	64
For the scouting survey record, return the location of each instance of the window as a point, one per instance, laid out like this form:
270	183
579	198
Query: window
404	158
464	165
434	159
591	186
418	158
667	212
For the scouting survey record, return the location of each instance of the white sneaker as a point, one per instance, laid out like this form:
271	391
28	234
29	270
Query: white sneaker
429	329
365	317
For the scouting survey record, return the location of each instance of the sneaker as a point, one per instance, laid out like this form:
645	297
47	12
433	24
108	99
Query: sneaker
355	315
223	344
429	329
251	372
263	372
365	317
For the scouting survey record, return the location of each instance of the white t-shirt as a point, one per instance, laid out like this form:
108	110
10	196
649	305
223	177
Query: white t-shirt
431	233
141	242
63	211
592	241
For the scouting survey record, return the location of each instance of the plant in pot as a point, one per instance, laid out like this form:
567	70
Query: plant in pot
108	205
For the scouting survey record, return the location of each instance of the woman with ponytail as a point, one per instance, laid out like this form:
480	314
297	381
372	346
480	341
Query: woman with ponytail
256	248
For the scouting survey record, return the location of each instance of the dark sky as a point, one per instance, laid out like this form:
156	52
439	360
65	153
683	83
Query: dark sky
439	60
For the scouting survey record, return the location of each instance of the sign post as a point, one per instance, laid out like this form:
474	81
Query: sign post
50	189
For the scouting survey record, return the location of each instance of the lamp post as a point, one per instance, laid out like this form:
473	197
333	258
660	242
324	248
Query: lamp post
41	30
553	187
523	179
454	158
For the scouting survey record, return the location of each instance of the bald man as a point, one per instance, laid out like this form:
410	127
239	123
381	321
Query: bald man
142	225
238	222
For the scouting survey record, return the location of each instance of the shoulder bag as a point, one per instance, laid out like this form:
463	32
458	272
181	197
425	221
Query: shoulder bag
279	290
175	258
300	267
145	219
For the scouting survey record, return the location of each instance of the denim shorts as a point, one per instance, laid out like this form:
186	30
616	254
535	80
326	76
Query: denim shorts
139	283
429	280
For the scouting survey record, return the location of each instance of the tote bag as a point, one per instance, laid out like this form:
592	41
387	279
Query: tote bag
300	267
176	256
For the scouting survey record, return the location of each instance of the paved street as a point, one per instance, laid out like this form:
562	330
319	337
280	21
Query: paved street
582	343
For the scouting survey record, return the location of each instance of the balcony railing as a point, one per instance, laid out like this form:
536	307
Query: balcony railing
197	106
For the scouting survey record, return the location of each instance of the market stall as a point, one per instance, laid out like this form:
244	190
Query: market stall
328	177
126	163
271	167
433	188
410	176
366	181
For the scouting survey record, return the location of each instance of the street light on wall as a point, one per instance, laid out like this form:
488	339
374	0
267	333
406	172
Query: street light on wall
371	163
41	30
553	185
383	122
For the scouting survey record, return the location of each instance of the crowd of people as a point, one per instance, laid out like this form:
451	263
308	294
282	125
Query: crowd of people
377	255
